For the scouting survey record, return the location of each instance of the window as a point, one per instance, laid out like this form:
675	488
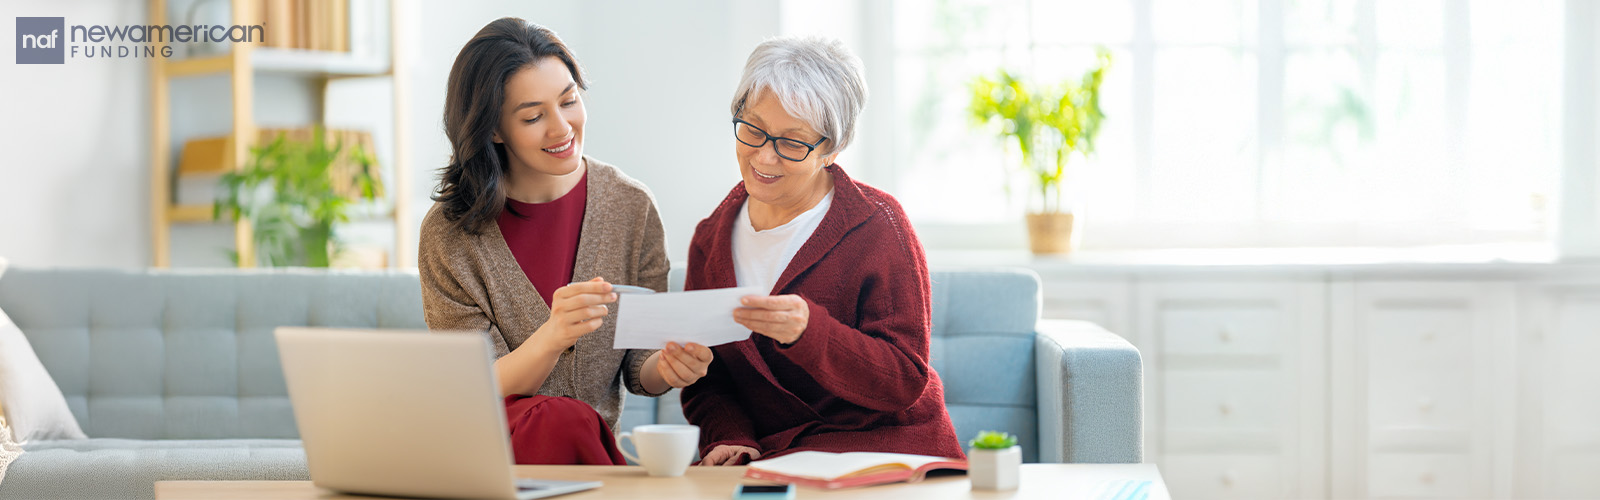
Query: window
1250	122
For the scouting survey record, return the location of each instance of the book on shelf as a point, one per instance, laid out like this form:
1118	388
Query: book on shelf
320	25
820	469
205	155
277	16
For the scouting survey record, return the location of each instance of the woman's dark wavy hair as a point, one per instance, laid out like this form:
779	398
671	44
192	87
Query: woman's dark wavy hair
472	187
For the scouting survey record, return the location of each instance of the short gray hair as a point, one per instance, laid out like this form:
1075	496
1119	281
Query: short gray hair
816	79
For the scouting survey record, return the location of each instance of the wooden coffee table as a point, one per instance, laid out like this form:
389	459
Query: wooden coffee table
1053	481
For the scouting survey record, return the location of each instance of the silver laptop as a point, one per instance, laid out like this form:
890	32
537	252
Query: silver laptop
411	414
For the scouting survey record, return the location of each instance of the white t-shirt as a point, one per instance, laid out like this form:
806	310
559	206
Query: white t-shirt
759	257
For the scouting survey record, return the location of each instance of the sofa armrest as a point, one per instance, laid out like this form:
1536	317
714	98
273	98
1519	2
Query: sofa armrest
1091	394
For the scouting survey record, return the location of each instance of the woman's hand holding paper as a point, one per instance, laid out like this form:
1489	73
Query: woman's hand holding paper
782	317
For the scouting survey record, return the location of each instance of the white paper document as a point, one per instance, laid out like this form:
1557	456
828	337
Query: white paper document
705	317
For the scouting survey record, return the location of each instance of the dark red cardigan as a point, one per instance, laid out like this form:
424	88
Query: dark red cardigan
859	378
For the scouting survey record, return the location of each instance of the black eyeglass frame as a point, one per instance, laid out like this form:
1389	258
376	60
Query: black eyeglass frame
769	138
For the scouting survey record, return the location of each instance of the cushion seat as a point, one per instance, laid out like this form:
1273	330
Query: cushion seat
57	469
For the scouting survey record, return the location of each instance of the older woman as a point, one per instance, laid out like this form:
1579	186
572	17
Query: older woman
841	359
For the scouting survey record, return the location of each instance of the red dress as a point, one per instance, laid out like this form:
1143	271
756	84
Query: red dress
543	237
858	379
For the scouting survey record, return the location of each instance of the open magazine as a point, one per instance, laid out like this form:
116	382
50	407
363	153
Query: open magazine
819	469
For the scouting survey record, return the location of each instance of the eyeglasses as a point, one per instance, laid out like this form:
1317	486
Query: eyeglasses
789	149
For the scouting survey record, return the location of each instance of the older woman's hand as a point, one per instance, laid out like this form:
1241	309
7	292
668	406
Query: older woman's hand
781	317
682	365
727	454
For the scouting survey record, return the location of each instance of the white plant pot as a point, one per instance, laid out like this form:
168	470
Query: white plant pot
996	470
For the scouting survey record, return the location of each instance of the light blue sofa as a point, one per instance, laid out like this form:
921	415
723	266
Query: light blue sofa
174	374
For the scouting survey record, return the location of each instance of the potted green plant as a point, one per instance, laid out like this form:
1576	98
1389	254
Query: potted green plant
1048	124
293	191
994	461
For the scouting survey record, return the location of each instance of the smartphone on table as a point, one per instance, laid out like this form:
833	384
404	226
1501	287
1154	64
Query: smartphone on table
764	492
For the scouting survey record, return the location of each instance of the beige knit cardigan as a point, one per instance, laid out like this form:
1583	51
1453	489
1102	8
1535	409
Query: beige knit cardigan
472	283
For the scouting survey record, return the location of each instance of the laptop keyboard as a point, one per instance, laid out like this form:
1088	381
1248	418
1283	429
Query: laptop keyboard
531	485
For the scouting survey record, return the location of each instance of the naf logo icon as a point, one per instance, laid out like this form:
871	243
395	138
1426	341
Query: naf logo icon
40	40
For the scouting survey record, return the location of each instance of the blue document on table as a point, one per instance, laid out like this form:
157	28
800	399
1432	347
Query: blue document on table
1123	489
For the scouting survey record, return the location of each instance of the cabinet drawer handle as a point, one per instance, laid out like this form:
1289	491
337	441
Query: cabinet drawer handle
1224	409
1227	479
1225	334
1425	404
1427	478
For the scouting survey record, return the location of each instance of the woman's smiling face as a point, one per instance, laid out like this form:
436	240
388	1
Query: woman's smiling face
541	122
772	179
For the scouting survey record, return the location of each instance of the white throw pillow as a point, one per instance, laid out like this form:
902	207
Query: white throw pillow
33	405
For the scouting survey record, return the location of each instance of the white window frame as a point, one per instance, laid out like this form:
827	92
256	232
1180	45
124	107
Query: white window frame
1578	236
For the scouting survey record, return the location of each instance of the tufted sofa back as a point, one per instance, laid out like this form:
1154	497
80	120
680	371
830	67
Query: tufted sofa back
189	354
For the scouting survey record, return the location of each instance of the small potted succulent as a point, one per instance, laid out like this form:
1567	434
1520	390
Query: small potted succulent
994	462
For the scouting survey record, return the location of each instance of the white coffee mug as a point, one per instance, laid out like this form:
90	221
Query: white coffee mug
664	450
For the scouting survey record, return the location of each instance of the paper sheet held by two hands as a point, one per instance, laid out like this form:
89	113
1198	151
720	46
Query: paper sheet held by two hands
705	317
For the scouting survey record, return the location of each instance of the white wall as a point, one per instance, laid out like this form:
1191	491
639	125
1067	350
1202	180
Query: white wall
74	190
74	186
660	77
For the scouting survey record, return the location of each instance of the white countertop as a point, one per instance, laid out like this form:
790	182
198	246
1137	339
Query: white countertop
1476	261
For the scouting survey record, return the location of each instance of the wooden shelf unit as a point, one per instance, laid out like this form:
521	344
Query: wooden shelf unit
243	63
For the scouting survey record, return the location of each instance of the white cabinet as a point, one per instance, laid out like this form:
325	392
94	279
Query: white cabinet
1222	475
1102	300
1416	382
1561	417
1233	385
1391	382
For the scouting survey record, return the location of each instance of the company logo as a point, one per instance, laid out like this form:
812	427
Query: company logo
41	40
47	40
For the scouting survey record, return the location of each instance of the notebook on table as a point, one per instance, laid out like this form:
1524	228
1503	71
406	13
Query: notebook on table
820	469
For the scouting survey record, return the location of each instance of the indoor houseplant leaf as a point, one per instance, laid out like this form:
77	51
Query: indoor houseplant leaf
293	192
1048	124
